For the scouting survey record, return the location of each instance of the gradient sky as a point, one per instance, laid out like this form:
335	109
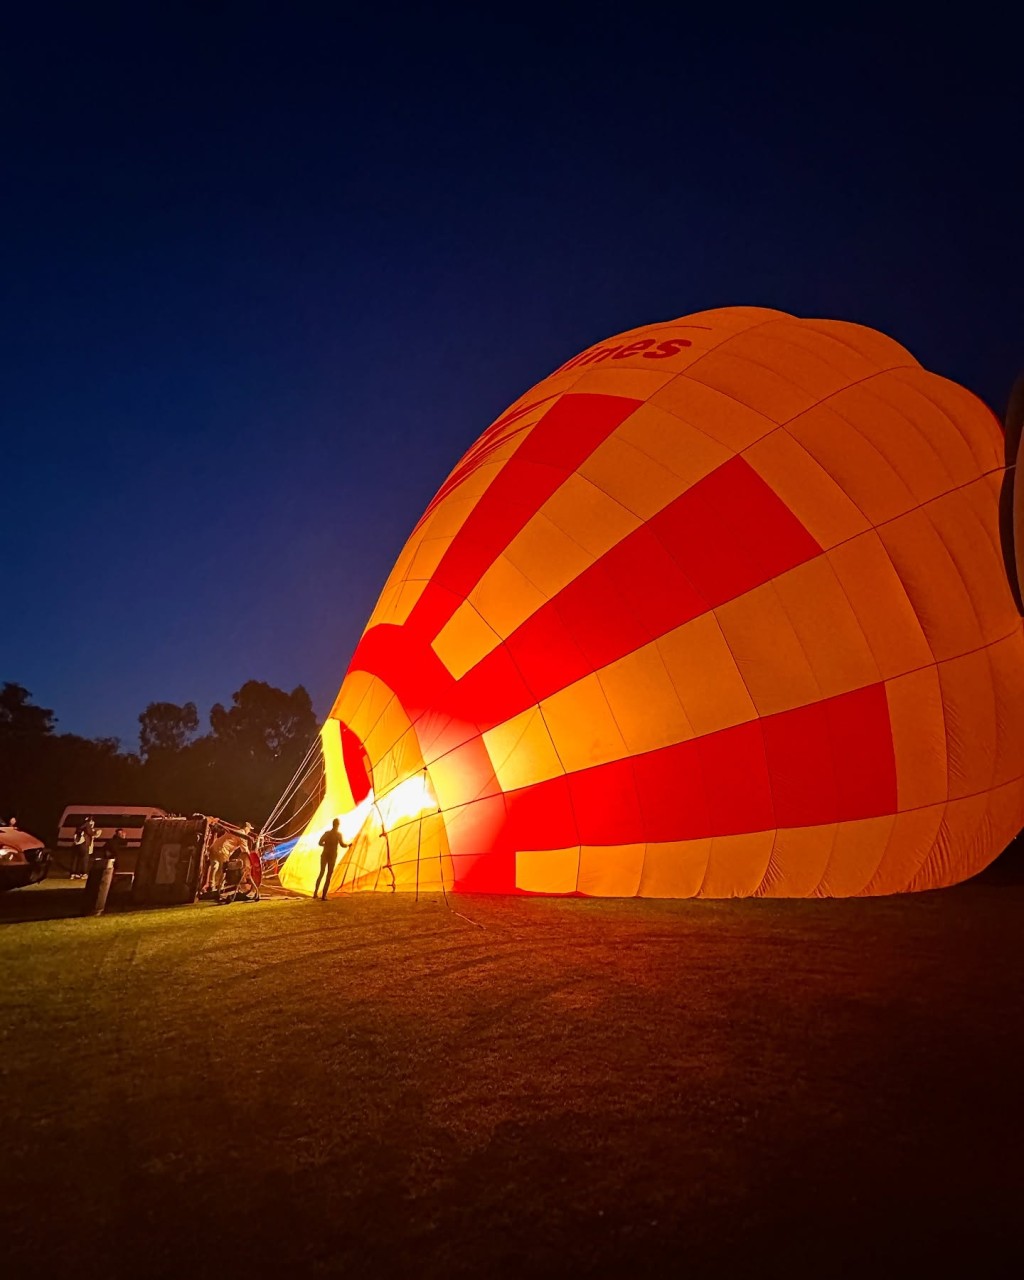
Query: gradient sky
266	278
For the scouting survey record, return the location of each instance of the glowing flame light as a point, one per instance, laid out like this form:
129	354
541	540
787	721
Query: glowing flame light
401	804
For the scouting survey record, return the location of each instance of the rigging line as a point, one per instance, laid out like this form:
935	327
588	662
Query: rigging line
296	780
283	816
287	791
314	767
309	777
297	820
286	800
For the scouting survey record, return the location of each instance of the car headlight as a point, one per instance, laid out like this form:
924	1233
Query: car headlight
7	854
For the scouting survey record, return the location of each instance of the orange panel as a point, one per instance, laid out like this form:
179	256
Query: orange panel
643	348
857	853
910	844
504	597
610	871
968	702
829	632
877	348
428	557
385	736
575	526
798	861
962	842
808	362
450	515
730	320
448	518
631	476
737	864
966	521
705	675
925	469
609	379
933	584
873	587
767	651
806	488
722	417
588	515
673	443
644	702
918	738
910	397
854	463
971	418
674	869
362	699
547	556
395	607
521	751
547	870
582	726
464	640
765	390
435	870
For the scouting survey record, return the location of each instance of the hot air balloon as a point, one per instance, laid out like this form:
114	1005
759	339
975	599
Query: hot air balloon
718	608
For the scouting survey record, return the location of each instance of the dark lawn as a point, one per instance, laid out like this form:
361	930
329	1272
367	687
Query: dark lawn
375	1087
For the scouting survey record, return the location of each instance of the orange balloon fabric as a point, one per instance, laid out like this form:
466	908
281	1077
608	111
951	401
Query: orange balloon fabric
718	608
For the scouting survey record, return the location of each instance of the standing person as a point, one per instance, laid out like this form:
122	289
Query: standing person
220	853
330	842
85	841
116	845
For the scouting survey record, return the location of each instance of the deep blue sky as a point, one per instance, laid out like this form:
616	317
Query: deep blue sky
266	276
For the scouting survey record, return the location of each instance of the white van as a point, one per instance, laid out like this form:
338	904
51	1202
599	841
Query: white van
108	817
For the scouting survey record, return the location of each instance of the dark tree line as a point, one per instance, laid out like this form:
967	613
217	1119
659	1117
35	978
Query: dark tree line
236	770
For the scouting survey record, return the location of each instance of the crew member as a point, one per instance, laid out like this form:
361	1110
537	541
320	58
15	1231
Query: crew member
330	842
116	845
220	851
85	841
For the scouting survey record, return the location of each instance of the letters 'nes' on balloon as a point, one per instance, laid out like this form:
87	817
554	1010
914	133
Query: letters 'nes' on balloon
718	608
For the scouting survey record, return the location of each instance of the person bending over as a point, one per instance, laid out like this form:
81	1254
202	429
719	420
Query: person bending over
330	842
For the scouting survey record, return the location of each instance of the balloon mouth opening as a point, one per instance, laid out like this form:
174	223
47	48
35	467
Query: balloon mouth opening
397	806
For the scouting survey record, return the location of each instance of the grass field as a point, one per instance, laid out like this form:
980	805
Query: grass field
377	1087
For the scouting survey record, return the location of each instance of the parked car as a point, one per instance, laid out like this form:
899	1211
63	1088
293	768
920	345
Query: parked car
23	859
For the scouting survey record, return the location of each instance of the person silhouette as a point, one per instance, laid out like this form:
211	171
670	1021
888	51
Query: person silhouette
330	842
84	844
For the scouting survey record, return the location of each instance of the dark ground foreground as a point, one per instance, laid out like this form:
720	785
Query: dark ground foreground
373	1087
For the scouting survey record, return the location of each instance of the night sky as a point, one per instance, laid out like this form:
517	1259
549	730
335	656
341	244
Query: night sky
265	277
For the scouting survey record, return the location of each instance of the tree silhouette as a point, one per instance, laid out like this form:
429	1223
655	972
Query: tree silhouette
164	726
264	723
19	716
237	771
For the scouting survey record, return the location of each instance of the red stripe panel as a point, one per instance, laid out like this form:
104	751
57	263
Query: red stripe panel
356	763
727	534
482	858
751	777
493	438
566	435
731	532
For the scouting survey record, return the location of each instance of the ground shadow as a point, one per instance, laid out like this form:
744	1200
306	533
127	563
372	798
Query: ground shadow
56	898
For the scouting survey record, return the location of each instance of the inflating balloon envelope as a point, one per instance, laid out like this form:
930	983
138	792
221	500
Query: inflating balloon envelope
718	608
